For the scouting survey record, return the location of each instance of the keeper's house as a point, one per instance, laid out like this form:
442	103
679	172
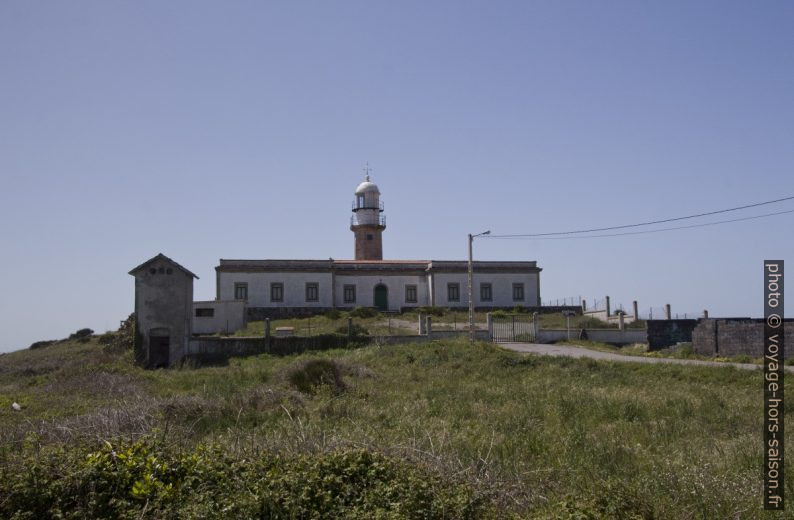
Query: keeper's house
294	287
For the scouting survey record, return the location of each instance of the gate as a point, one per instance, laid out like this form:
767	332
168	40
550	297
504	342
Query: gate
512	327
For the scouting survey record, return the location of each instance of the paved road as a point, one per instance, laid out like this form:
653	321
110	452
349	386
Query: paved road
579	352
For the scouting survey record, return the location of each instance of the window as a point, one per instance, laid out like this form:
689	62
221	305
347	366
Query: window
312	292
453	292
410	294
369	237
518	292
277	292
350	293
486	294
205	313
241	291
360	201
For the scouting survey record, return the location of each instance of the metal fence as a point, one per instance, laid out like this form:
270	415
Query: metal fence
566	301
512	327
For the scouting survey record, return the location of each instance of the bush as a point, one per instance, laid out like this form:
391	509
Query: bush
684	350
149	480
357	330
42	344
333	314
518	309
431	310
307	376
363	312
82	333
499	313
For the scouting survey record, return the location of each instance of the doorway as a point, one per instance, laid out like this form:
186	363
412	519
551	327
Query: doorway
381	298
159	351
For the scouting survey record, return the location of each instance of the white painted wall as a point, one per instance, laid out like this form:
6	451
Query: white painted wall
365	290
229	317
294	288
501	289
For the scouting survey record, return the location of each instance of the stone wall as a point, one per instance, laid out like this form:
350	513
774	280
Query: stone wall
666	333
735	336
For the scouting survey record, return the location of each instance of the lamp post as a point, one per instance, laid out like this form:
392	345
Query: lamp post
471	285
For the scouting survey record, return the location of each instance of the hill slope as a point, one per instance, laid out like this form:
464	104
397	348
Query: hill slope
476	431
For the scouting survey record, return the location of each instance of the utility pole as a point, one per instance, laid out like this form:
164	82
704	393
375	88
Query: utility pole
471	284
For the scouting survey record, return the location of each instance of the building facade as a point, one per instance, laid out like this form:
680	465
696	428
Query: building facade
298	287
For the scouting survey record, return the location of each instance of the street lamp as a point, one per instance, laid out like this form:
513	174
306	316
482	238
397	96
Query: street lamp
471	285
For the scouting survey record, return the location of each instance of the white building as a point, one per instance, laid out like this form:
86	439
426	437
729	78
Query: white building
298	287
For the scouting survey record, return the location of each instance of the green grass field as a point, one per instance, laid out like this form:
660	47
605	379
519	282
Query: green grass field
478	432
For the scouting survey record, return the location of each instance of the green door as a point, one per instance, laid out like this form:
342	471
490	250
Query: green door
381	297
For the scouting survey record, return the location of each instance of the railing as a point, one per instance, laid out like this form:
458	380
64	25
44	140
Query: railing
567	301
379	207
378	221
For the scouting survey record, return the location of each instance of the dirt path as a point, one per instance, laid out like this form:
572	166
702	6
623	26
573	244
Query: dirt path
579	352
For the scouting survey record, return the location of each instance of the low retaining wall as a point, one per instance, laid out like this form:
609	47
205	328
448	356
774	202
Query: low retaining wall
736	337
260	313
666	333
612	336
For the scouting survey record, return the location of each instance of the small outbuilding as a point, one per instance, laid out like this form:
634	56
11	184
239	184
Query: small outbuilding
163	311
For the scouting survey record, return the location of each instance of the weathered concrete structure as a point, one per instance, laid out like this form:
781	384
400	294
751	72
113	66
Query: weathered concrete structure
214	316
735	337
163	311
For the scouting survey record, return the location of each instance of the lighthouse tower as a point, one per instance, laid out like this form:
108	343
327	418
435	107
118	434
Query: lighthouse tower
367	223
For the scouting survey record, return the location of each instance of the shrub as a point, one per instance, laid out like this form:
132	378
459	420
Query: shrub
42	344
363	312
684	350
431	310
307	376
82	333
149	480
333	314
499	313
518	309
357	330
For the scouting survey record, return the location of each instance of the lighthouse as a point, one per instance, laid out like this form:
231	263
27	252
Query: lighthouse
367	222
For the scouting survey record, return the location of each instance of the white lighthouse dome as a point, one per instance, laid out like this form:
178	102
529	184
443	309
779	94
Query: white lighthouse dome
367	187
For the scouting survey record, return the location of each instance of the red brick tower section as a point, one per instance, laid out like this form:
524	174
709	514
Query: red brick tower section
367	223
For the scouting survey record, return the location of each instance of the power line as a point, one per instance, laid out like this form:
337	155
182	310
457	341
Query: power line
533	237
525	235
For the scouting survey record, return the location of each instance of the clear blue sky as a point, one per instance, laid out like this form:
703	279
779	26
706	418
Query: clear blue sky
209	130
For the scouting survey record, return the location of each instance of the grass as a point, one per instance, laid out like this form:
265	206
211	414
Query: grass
535	437
682	351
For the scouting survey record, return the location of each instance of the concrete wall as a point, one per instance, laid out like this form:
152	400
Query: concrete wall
602	315
228	316
612	336
666	333
365	289
735	337
294	288
501	289
163	306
